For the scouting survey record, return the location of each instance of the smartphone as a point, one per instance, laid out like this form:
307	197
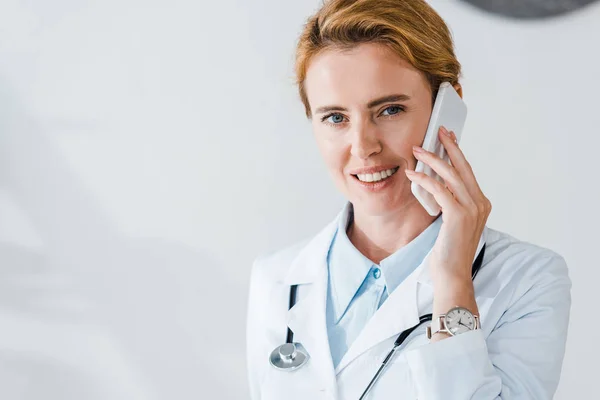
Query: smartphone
449	111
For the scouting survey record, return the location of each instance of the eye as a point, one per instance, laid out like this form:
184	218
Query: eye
333	119
392	110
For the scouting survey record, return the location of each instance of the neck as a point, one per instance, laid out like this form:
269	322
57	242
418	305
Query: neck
378	236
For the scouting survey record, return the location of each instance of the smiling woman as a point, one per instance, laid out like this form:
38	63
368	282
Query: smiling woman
368	72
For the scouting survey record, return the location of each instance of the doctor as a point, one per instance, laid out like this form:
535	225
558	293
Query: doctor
367	72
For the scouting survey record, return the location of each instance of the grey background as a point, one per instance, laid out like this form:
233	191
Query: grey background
150	150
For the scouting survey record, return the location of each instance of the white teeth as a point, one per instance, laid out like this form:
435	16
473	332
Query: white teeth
377	176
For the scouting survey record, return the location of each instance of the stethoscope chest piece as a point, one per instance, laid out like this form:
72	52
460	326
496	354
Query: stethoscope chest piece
288	357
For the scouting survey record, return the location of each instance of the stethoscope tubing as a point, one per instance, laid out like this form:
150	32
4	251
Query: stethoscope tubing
401	338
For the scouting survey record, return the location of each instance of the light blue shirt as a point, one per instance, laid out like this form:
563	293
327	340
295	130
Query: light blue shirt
358	287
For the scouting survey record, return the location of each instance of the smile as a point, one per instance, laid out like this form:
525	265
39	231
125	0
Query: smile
377	176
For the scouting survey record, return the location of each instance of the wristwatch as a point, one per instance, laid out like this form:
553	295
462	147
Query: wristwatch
456	321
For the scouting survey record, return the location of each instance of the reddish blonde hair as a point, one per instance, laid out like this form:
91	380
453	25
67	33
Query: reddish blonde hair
409	28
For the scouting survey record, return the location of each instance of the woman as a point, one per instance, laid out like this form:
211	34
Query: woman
368	73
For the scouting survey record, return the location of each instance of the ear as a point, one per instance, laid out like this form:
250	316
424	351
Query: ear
458	89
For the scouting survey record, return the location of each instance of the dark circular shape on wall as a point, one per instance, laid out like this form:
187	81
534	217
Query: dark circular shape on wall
530	9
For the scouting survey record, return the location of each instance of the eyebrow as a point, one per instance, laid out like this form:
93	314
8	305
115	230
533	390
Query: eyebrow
372	103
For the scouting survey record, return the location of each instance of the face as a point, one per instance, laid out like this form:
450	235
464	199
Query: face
368	108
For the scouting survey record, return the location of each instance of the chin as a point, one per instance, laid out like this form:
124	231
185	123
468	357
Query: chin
379	205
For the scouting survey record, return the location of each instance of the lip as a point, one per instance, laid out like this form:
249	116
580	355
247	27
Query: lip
372	170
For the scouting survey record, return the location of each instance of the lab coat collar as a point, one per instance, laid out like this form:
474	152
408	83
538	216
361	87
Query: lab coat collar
309	263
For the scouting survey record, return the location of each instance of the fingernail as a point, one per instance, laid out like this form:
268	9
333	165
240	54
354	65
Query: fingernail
417	149
409	172
445	131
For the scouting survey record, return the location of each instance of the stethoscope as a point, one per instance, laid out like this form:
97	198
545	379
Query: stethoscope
290	356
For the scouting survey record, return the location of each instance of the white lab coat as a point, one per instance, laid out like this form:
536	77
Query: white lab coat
523	295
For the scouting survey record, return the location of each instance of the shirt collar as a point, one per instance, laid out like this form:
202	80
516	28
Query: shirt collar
348	267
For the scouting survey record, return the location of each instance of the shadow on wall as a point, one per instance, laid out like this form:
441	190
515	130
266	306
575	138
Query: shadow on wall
92	314
530	9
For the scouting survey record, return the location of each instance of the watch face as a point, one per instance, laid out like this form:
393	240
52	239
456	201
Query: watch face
459	320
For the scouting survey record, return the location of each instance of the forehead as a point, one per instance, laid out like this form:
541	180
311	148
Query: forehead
356	76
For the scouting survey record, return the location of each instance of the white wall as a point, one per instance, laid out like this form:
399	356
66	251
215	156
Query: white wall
150	150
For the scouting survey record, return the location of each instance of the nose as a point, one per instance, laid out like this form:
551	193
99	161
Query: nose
365	142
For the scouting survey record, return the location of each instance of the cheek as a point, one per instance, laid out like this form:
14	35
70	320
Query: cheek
334	153
402	137
401	144
335	156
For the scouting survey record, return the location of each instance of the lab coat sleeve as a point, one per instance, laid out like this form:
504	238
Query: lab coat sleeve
522	356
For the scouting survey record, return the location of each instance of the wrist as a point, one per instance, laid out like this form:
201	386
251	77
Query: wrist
444	275
453	287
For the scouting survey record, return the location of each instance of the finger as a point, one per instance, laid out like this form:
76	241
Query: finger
459	161
463	167
441	194
450	176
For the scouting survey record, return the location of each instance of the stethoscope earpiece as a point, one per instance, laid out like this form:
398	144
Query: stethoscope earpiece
288	357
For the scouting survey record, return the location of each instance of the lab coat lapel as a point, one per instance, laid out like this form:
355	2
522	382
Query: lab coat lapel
307	319
397	313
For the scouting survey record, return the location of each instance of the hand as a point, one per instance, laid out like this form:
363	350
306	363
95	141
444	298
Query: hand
465	210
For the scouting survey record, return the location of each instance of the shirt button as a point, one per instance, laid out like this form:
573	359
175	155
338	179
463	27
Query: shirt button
376	273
